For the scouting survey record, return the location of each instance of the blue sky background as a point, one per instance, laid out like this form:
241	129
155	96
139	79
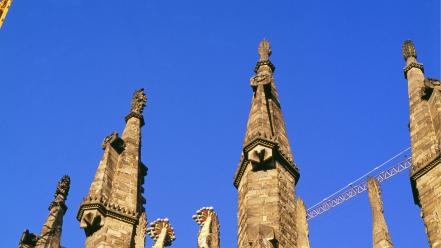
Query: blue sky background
69	67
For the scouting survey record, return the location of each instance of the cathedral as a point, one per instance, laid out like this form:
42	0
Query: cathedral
270	214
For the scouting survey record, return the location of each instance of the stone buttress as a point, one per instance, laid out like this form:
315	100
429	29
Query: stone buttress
50	235
112	214
380	232
425	133
266	175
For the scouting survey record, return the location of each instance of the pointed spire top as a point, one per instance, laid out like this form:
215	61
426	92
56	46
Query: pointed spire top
409	49
139	101
264	50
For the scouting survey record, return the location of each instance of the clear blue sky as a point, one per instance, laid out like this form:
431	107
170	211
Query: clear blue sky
68	70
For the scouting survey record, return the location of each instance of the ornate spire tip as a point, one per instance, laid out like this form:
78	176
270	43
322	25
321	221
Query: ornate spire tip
264	50
63	186
138	102
409	49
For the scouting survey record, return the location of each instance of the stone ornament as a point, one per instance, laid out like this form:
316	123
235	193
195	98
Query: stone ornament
208	236
408	49
61	193
161	232
139	101
109	139
264	50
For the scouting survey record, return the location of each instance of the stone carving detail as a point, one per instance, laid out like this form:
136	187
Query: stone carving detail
408	49
61	193
138	102
413	65
28	239
115	141
208	236
91	221
141	230
264	50
109	139
261	79
162	232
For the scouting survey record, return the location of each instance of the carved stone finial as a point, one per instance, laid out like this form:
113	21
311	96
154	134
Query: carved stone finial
61	192
264	50
138	102
63	187
409	49
162	232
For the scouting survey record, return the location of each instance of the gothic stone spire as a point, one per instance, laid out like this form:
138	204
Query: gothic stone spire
266	175
112	210
265	137
50	235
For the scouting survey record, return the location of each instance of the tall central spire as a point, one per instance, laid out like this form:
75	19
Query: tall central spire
266	176
266	125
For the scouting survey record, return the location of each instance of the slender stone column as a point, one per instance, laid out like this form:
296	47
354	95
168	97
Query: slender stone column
380	233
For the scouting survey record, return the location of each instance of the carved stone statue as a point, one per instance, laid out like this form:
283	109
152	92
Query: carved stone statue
208	236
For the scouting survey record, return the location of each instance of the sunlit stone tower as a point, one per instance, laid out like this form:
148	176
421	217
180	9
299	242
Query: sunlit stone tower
425	134
112	214
266	175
